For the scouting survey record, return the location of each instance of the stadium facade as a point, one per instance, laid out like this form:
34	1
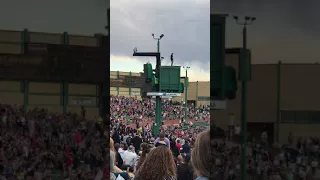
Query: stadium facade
282	98
130	83
35	71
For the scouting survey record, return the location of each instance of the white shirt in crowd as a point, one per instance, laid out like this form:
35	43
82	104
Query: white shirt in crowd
264	135
237	130
128	157
4	119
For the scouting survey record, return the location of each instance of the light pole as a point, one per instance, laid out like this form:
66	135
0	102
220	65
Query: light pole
107	27
158	98
105	97
247	21
186	93
231	126
158	41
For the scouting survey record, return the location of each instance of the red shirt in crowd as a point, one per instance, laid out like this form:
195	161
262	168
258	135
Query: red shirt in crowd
179	146
69	160
78	138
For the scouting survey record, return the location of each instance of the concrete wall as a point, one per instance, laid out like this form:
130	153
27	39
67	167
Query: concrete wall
51	96
196	92
299	130
11	41
299	91
195	89
300	86
11	93
119	87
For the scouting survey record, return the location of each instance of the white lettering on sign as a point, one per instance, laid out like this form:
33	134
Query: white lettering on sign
163	94
215	104
82	101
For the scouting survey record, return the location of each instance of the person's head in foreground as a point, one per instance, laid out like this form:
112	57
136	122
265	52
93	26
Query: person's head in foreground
112	145
145	149
158	165
200	157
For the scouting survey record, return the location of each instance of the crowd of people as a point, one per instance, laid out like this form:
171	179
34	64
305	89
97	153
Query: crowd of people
143	156
139	154
132	109
297	159
37	145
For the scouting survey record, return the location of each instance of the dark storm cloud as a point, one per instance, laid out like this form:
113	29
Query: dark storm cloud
185	24
75	16
286	30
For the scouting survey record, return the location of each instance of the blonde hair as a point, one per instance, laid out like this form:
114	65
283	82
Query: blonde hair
201	156
112	145
158	165
113	150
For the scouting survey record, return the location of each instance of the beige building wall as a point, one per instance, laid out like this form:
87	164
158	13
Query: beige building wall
83	95
299	130
196	92
261	98
10	41
300	86
10	92
120	88
52	88
46	95
10	36
48	38
299	91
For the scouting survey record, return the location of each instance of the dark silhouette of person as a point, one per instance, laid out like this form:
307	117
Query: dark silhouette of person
116	137
186	147
136	141
171	59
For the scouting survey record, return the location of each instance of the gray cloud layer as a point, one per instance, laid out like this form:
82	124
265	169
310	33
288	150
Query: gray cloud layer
76	16
185	24
286	30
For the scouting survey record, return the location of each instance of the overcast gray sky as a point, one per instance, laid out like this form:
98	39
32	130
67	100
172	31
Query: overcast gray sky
75	16
286	30
184	23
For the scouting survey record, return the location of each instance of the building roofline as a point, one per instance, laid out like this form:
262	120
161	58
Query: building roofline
234	50
218	14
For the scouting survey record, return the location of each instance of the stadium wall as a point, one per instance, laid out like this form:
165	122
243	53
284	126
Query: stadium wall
198	93
125	84
298	101
56	97
129	84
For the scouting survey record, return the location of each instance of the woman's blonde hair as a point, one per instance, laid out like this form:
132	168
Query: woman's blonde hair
158	165
113	150
112	145
201	155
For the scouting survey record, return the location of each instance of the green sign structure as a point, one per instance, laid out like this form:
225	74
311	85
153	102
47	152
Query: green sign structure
223	78
170	79
166	79
217	53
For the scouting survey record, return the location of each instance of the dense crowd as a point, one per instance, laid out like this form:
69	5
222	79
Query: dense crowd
37	144
132	109
143	156
297	159
137	153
